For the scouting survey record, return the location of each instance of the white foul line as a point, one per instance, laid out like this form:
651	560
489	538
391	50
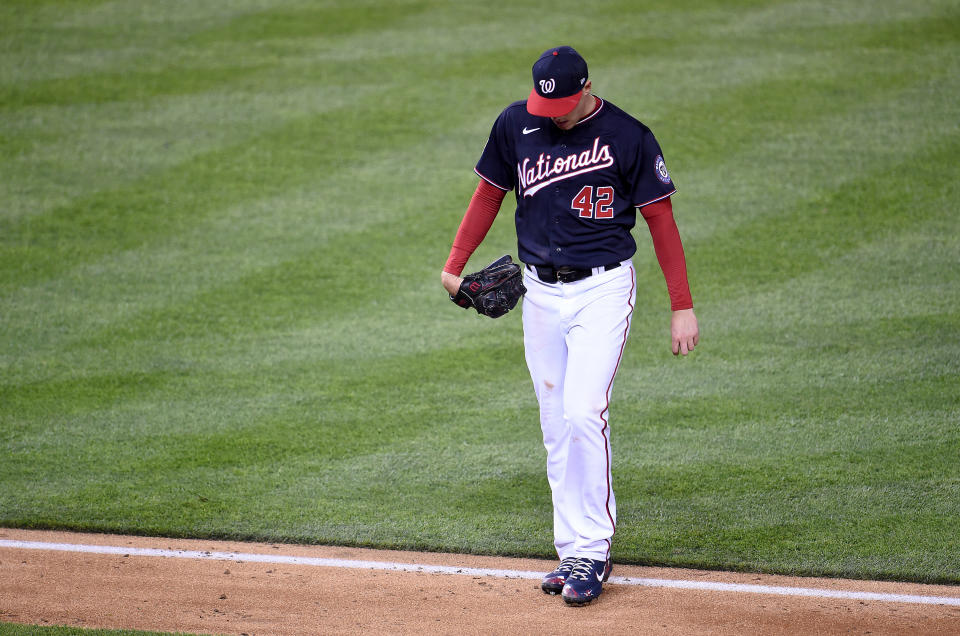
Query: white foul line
712	586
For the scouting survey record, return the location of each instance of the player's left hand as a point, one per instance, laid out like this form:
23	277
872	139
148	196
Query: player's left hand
684	331
493	291
450	282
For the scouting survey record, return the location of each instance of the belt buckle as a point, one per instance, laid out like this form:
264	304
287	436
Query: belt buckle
566	275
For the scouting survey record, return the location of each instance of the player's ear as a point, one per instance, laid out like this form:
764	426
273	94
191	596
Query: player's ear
588	87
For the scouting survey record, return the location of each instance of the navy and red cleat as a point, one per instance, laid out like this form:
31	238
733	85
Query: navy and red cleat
585	581
553	583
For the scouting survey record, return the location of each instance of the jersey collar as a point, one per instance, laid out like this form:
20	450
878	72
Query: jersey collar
596	111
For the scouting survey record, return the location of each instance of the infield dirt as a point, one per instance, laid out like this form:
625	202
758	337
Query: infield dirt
46	587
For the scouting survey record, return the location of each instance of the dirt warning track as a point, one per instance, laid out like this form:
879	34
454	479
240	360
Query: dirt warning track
212	587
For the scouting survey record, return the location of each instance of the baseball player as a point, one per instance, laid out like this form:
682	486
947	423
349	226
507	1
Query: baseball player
580	169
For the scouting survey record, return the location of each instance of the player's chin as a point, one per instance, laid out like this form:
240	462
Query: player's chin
563	124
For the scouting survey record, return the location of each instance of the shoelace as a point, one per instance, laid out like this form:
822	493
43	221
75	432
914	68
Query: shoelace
566	565
582	569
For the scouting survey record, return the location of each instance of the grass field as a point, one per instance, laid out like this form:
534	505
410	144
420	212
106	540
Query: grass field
222	227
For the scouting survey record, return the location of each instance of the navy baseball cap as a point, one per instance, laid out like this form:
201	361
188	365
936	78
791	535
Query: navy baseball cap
558	78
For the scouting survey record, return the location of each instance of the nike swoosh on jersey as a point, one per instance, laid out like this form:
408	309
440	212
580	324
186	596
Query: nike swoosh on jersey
527	131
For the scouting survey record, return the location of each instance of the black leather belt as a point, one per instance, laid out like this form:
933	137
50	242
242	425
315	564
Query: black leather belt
566	274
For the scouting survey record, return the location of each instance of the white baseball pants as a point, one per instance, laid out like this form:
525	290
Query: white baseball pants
574	335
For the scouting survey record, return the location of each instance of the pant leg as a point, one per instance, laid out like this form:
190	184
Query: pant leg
545	350
595	339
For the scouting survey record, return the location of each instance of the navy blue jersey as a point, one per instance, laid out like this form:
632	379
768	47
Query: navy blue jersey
577	190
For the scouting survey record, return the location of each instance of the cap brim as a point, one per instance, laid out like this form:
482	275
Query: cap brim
557	107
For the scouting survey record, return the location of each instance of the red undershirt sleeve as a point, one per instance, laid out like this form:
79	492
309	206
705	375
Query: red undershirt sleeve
476	223
669	251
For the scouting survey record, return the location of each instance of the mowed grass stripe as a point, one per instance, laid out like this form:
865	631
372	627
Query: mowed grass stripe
191	68
833	223
255	79
174	201
327	464
792	145
66	42
267	163
285	250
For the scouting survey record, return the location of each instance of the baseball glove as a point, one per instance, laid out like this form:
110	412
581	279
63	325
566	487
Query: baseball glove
494	290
